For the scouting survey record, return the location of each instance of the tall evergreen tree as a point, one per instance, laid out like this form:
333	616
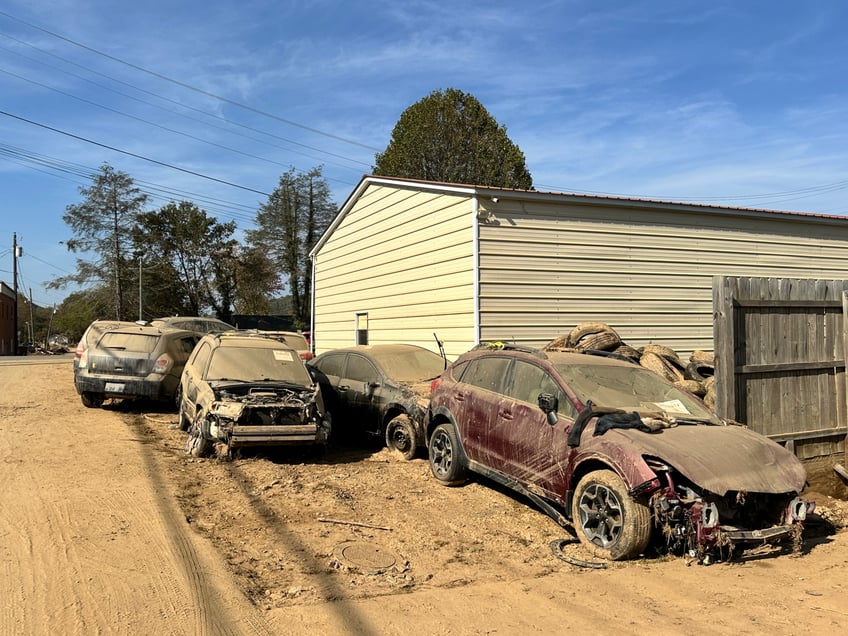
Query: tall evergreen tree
102	226
289	225
450	136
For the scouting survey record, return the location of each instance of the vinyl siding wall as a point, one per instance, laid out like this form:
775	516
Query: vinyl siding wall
406	258
647	272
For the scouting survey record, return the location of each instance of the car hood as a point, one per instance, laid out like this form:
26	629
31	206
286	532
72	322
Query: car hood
719	458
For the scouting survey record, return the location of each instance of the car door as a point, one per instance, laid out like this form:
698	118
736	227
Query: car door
474	403
360	385
193	373
521	441
330	367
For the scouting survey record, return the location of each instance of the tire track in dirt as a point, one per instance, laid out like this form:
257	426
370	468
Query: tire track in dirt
89	539
206	600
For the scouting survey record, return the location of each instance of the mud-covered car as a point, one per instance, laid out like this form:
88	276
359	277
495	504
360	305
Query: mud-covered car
116	359
620	453
239	390
380	389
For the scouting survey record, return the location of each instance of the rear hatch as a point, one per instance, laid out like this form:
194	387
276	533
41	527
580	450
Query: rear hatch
123	354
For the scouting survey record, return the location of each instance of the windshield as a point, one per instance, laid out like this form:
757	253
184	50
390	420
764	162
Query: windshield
631	388
411	365
255	364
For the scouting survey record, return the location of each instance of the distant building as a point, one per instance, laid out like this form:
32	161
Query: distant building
7	320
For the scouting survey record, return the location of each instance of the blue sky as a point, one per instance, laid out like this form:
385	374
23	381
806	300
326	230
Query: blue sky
727	103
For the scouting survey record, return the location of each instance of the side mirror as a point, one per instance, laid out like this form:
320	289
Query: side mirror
369	388
549	403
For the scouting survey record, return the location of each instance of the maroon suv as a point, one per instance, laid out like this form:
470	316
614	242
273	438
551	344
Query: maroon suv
616	450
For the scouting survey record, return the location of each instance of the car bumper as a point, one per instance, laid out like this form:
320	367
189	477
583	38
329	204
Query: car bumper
124	387
275	435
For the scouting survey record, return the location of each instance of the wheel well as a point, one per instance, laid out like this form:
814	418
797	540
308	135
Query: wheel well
391	414
435	420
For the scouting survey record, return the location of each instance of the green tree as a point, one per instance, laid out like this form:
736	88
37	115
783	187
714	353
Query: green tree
194	258
256	280
102	225
289	225
449	136
79	309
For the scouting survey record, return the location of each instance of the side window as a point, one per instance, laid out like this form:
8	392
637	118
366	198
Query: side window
331	365
202	356
360	369
529	381
487	373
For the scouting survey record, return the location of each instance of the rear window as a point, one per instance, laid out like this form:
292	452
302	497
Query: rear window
137	342
298	343
412	365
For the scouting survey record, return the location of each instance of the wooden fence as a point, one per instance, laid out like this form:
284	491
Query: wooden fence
780	359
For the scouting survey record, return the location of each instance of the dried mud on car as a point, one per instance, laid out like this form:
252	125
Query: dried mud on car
357	523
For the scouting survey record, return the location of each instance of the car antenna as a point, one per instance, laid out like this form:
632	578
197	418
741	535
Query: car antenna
441	346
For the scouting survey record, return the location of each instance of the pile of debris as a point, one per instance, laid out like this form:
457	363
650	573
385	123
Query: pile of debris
695	376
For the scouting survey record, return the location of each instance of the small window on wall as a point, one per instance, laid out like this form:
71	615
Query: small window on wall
362	329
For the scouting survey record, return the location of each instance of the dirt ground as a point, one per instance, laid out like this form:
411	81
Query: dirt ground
107	527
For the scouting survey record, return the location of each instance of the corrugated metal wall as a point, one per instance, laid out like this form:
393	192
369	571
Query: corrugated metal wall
646	270
405	257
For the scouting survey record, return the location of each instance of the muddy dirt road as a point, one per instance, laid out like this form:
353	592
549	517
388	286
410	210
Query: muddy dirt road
107	527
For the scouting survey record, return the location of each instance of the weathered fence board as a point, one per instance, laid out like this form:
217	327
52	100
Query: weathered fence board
780	348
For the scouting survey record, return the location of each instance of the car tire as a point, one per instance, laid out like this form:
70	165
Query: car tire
608	521
196	445
400	436
182	421
445	455
91	400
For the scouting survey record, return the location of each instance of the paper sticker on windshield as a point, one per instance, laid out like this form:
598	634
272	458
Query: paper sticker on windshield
283	356
673	406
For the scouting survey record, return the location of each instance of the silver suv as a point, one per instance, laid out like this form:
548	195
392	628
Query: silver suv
130	360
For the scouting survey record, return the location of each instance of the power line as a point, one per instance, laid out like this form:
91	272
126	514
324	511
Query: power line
173	101
132	154
189	86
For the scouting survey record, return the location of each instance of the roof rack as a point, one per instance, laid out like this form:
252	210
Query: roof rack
498	345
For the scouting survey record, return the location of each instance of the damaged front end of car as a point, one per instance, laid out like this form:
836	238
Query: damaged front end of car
708	527
261	415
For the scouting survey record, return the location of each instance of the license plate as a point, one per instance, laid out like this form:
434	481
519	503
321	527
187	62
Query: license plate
114	387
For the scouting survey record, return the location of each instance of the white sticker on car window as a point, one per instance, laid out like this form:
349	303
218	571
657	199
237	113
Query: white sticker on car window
283	356
673	406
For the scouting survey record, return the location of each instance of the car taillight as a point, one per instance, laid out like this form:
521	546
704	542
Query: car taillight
80	350
163	364
307	355
435	384
83	358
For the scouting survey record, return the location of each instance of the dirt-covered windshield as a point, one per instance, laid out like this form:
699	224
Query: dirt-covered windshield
253	364
631	388
411	365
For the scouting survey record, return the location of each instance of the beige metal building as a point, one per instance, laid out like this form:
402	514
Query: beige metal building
405	259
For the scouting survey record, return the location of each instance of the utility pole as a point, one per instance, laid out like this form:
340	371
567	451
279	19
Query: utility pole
15	255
